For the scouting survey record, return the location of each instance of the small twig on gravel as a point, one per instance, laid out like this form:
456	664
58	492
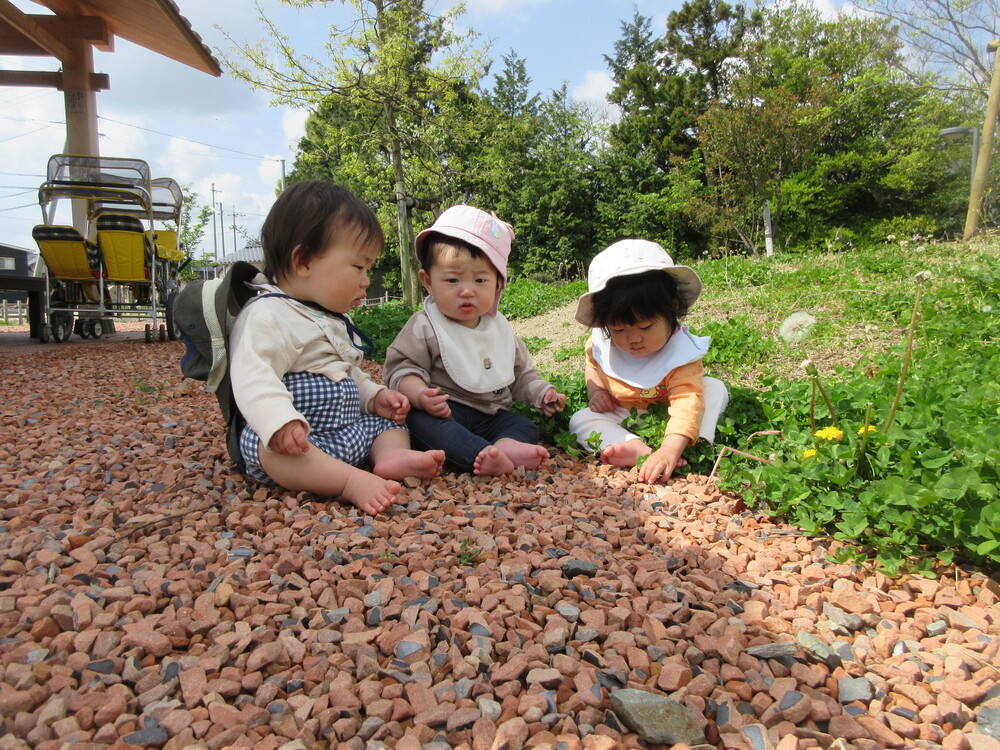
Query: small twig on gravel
161	519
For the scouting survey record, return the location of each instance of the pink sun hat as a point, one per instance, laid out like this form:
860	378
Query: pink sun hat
479	229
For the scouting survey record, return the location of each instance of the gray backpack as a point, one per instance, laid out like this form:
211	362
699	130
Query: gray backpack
204	312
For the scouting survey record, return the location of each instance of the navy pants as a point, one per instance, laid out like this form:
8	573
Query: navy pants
464	434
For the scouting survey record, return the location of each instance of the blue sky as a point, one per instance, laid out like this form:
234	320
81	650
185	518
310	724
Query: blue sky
202	130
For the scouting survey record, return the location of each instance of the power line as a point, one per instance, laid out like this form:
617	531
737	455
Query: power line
30	132
189	140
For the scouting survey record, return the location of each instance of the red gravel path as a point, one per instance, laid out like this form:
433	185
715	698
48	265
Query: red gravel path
150	596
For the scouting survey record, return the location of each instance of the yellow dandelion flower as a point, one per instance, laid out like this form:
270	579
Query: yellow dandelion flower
829	433
809	453
863	430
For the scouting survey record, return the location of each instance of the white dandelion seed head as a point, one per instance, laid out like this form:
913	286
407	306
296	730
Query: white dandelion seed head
987	308
796	327
891	237
922	276
806	363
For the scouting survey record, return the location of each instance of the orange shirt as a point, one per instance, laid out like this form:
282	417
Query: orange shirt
681	389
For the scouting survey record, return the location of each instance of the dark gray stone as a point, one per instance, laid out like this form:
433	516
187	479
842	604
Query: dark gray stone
102	666
774	650
656	718
147	737
850	689
477	628
789	699
756	735
573	567
988	719
406	648
846	623
569	611
816	649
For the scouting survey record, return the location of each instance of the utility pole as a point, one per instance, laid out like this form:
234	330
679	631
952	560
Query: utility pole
234	229
215	237
985	148
222	229
282	175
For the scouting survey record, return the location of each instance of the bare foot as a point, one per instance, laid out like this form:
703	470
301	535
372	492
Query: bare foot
528	455
625	454
492	462
404	462
370	493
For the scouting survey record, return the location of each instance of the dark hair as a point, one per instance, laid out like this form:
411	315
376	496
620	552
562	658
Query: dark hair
640	296
309	216
433	242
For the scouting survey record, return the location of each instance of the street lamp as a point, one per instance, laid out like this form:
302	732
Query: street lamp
953	133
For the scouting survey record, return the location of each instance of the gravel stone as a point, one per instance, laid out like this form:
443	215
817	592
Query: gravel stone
149	594
656	718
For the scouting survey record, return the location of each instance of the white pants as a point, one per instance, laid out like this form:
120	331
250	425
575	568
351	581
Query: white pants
609	423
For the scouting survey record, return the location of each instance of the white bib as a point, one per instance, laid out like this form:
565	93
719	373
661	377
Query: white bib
480	359
648	372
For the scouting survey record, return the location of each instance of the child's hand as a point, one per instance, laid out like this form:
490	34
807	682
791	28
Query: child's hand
552	402
390	405
434	403
602	401
662	462
290	439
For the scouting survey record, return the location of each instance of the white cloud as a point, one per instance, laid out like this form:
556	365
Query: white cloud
497	7
293	124
595	87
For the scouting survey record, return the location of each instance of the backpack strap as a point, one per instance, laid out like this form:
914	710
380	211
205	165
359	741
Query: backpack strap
366	345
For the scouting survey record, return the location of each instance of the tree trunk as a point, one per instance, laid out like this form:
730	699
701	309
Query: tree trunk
408	276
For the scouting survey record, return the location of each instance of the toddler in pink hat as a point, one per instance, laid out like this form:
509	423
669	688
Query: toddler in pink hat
458	360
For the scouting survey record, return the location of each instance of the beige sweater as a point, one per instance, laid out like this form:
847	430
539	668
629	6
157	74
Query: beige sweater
416	351
272	337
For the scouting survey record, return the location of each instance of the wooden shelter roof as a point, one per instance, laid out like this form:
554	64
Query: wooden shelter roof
156	25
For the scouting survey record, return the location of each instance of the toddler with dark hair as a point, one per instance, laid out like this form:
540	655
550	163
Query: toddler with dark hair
639	354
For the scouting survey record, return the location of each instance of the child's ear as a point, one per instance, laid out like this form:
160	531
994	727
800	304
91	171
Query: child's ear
425	279
300	264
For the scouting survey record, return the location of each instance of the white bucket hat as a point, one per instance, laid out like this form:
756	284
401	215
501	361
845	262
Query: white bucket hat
629	257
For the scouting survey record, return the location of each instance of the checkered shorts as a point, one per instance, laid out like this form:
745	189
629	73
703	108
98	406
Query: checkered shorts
336	425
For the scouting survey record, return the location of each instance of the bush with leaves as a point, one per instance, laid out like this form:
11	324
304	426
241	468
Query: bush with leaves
898	456
381	324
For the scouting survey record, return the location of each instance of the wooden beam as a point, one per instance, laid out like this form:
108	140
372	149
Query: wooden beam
54	79
33	30
89	28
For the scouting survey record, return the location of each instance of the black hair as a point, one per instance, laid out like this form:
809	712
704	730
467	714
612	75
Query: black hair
433	243
308	216
628	299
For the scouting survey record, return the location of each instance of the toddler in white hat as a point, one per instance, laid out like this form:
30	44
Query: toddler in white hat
458	360
639	354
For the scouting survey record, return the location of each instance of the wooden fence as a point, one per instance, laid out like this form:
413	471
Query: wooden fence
13	312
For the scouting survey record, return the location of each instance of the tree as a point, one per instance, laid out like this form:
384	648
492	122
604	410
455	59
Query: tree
947	38
192	228
387	86
752	143
651	185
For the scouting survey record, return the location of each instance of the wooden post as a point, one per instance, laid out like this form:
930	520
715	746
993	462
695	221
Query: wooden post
768	234
985	148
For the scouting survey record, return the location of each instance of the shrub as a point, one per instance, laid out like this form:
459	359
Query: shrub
381	324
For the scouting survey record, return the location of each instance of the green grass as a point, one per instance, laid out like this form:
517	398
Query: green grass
912	491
